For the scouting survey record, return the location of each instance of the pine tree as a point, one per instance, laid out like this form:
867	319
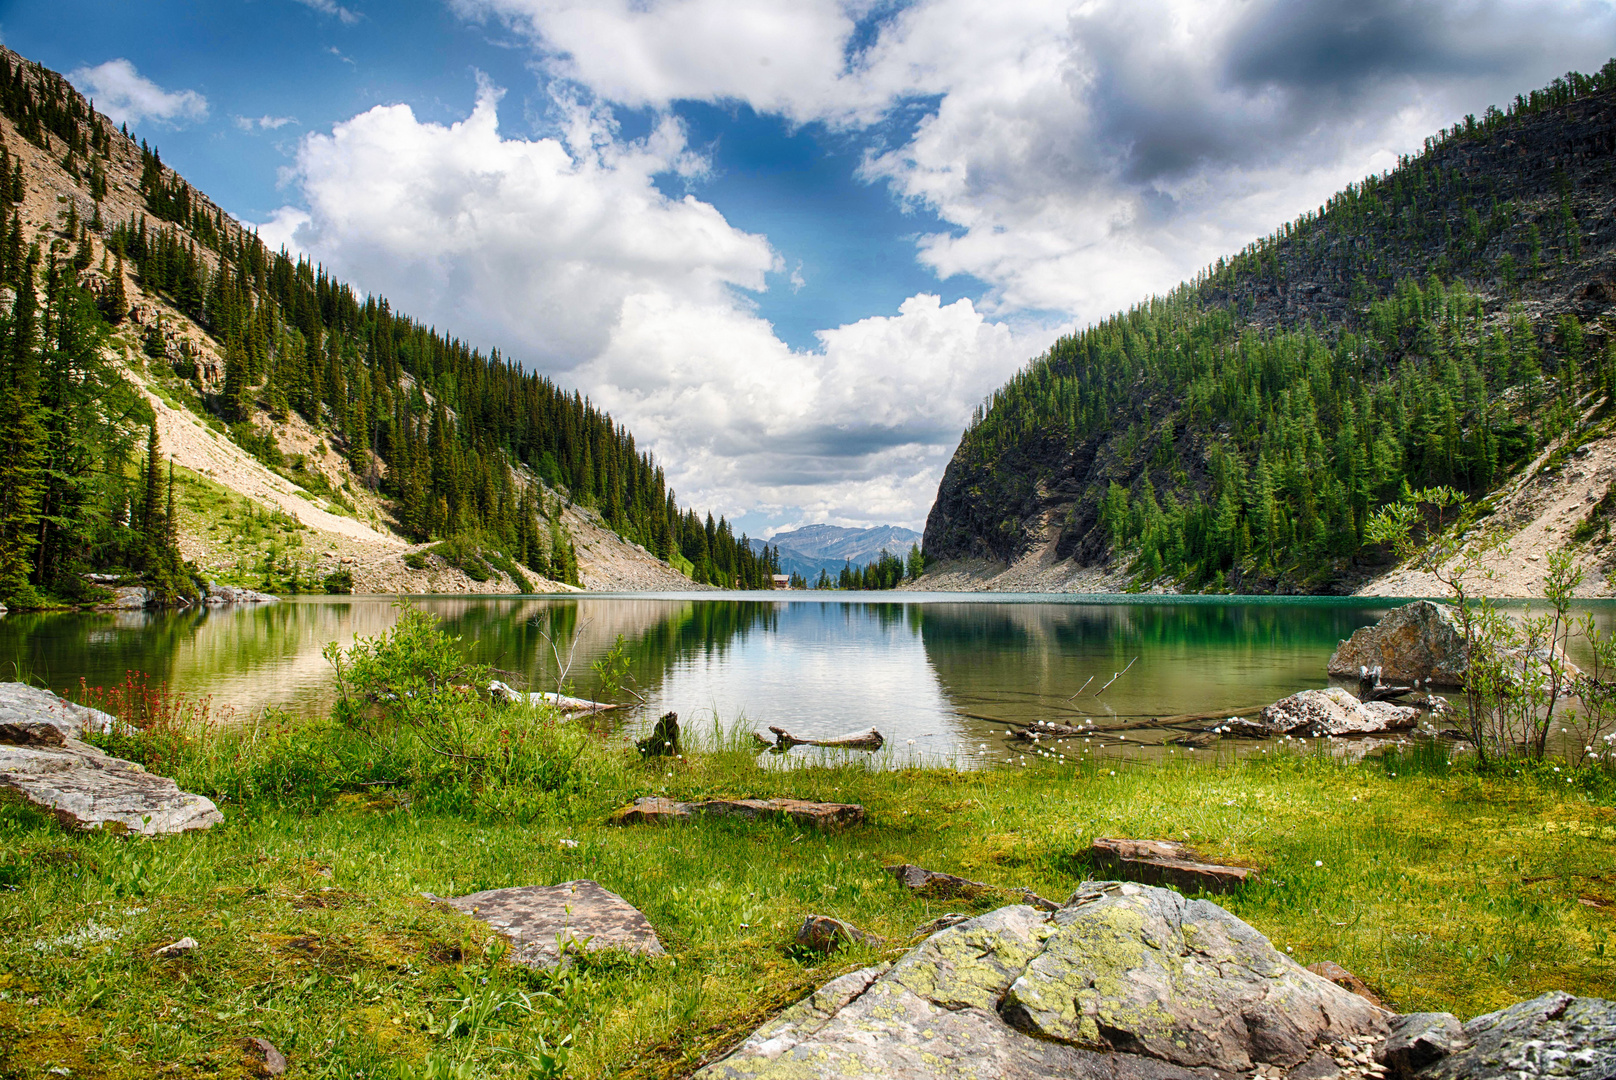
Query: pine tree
21	444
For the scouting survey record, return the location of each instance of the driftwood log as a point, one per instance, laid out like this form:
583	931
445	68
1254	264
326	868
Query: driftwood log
853	740
501	692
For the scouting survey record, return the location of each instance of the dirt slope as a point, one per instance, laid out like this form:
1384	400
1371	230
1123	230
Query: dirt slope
1537	514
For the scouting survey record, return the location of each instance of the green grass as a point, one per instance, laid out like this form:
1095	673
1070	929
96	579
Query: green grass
1453	892
253	547
1441	887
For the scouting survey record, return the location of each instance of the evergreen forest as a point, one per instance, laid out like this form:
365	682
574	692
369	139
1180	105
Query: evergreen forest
464	443
1441	323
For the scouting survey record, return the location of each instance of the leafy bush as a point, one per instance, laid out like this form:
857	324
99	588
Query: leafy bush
339	582
409	720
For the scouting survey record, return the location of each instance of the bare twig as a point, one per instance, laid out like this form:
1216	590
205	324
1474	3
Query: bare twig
1115	677
1082	688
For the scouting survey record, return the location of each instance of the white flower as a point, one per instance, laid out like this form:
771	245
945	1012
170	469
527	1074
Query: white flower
1318	862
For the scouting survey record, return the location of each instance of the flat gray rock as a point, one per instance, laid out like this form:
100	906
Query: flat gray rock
26	710
1124	982
543	921
43	760
1556	1035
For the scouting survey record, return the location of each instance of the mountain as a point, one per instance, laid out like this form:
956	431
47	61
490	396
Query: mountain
813	548
180	404
1447	322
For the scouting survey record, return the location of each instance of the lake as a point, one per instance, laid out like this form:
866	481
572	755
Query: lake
940	675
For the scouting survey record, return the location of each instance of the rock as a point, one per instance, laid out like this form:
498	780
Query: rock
1419	1040
1165	862
177	948
1420	641
1555	1035
824	934
819	815
26	711
230	594
942	922
264	1058
128	598
936	885
1238	727
544	921
1345	979
43	760
1034	900
1125	982
1333	711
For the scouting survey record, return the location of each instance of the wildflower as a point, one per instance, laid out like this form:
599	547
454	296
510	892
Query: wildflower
1318	862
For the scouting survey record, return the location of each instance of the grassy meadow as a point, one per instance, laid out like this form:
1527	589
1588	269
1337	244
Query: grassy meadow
1443	888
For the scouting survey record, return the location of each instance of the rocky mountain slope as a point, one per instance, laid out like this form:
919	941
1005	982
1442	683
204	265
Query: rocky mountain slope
1447	323
284	497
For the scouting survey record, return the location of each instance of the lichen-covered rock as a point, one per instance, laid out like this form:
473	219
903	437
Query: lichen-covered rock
1009	994
1420	641
543	922
1556	1035
1333	711
43	760
1146	971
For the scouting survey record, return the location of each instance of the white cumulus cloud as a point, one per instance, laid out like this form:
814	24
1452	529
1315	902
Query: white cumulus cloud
1083	153
564	252
126	96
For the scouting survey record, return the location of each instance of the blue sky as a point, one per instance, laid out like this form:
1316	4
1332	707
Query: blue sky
791	244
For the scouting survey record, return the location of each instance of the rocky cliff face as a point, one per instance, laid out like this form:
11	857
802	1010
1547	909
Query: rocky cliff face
1517	214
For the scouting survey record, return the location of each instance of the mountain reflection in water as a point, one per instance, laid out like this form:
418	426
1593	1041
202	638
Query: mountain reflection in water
944	671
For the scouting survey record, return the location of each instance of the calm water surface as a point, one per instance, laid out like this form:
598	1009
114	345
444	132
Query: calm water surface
949	672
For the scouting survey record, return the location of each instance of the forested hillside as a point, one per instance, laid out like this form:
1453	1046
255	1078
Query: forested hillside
1442	323
454	443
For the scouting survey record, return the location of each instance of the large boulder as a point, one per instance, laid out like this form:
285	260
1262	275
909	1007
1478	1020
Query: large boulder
1123	981
219	595
43	759
1555	1035
1420	641
128	598
1333	711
